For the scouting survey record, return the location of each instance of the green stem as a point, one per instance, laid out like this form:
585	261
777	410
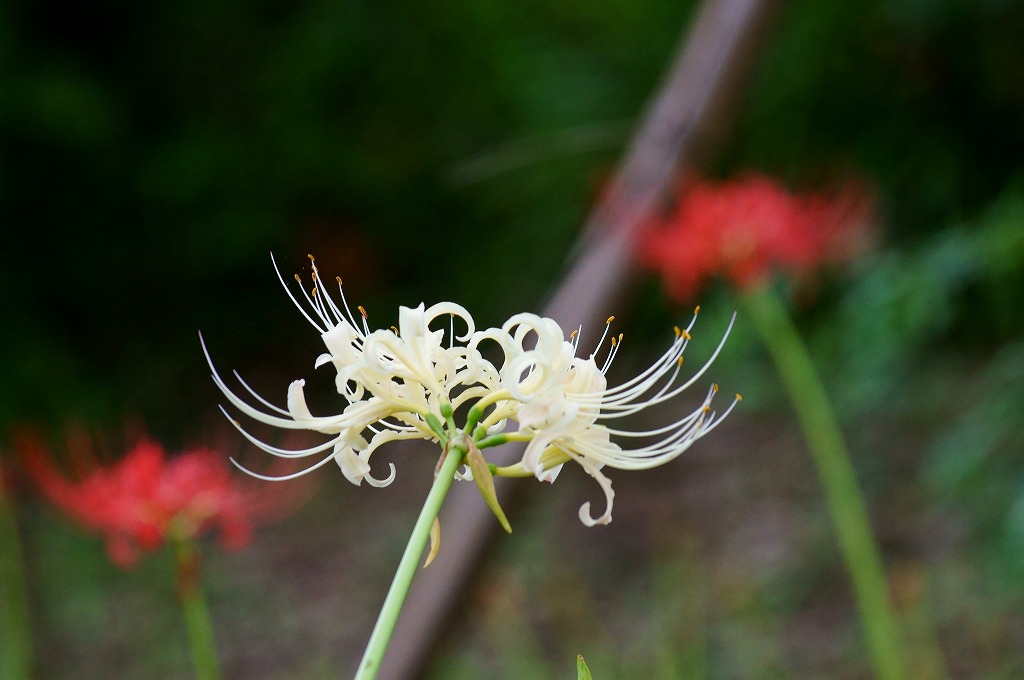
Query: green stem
197	618
385	626
15	630
845	502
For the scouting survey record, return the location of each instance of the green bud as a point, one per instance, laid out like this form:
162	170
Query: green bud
434	423
472	418
493	440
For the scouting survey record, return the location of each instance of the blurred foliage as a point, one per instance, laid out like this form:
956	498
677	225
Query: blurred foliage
152	156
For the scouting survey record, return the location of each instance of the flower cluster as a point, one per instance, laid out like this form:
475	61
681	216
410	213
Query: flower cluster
147	497
747	228
406	382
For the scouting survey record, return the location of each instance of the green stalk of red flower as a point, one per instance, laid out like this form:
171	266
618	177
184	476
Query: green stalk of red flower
148	498
15	624
748	230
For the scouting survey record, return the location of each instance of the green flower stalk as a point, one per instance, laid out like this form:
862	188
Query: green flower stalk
838	478
201	641
148	498
745	230
385	626
15	624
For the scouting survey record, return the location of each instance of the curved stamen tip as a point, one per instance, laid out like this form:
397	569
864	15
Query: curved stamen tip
338	278
610	319
395	330
362	310
714	388
679	332
614	341
297	278
573	334
739	397
697	310
311	258
679	361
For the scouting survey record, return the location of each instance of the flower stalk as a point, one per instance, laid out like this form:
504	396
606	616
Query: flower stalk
838	478
202	643
385	626
15	632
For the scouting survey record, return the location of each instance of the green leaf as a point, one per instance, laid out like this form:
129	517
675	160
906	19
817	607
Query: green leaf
485	482
582	672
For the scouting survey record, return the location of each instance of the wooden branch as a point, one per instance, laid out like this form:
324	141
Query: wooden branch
680	126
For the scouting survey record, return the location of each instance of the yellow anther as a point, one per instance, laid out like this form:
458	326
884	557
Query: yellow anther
362	310
311	258
610	319
706	409
314	291
679	361
697	310
714	388
687	336
298	278
338	279
614	341
739	397
679	333
573	334
395	330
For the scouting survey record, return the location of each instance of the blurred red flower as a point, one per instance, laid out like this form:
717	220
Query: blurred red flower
747	228
147	496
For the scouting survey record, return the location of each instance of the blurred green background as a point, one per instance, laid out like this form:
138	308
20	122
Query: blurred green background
152	155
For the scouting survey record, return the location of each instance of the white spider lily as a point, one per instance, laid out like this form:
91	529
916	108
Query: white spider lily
407	382
392	380
566	411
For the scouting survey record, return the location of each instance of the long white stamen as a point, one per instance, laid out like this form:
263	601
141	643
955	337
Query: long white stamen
607	325
282	478
296	302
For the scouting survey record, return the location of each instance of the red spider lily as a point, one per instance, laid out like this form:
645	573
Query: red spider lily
146	496
748	228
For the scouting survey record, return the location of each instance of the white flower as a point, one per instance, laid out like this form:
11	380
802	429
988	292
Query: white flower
406	382
566	411
393	380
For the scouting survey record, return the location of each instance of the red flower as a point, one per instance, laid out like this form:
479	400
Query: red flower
145	497
747	228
